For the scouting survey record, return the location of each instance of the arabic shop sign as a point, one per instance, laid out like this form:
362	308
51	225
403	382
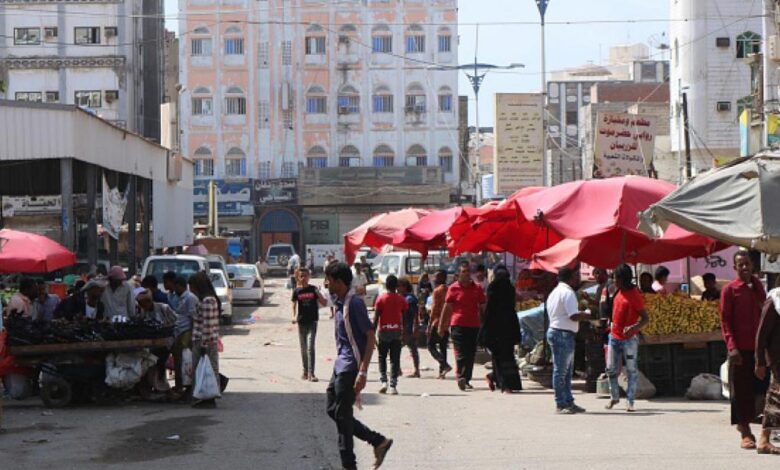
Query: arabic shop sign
624	144
234	198
276	191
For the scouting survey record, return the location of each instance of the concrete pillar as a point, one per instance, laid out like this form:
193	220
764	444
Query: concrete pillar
66	190
92	239
132	222
146	223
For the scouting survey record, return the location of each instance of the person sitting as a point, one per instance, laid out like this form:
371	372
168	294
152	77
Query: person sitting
45	304
84	303
148	309
646	283
711	292
150	283
661	278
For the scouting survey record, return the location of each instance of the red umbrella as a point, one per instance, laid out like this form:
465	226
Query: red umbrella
431	229
22	252
380	231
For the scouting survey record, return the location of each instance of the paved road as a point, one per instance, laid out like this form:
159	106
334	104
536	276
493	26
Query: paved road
270	419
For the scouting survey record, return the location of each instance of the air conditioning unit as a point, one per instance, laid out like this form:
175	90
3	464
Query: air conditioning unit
723	106
773	48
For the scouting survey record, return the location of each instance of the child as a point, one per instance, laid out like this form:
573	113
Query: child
388	322
411	322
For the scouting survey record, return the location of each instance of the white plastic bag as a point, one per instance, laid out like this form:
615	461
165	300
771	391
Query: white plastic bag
704	387
206	385
186	367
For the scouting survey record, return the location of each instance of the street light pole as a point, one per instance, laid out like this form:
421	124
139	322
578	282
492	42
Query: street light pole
476	82
542	6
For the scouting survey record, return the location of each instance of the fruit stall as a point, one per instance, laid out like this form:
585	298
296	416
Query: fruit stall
682	341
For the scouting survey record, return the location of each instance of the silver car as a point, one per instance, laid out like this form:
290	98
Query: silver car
248	285
223	293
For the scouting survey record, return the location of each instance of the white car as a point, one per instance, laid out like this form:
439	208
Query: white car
182	265
223	293
248	285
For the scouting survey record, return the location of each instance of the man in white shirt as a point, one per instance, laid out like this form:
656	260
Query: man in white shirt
564	313
359	280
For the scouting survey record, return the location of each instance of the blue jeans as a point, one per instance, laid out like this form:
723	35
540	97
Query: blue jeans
562	344
626	350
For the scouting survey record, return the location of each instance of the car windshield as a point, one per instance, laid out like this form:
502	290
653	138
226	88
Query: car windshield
242	271
279	251
215	265
218	280
182	267
389	265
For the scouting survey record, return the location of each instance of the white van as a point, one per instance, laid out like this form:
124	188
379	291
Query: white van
182	265
408	264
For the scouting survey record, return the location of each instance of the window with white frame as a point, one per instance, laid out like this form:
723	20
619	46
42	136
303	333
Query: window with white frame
445	40
416	156
235	102
88	98
316	157
349	156
445	100
315	40
316	101
31	96
381	40
204	162
382	101
415	40
445	159
202	103
234	46
235	162
349	100
748	43
415	100
27	36
86	35
265	170
201	47
383	156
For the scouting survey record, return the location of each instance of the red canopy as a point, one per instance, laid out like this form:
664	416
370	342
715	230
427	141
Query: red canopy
22	252
431	229
380	231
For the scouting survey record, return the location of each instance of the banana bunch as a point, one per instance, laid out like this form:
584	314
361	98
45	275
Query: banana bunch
670	314
527	304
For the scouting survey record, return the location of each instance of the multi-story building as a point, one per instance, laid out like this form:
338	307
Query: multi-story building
710	64
104	55
274	87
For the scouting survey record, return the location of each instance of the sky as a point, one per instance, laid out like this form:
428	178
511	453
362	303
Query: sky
568	45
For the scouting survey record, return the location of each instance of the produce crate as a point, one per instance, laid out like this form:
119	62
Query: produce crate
689	360
718	355
655	362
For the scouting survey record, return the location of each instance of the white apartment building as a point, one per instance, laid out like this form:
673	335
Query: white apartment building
710	56
104	55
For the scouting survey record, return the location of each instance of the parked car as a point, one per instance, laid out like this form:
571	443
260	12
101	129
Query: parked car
218	262
224	294
248	285
182	265
277	257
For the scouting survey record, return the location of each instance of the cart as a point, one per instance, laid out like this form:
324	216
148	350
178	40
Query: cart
70	370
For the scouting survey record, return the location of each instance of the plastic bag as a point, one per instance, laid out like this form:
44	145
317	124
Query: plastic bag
206	385
704	387
186	367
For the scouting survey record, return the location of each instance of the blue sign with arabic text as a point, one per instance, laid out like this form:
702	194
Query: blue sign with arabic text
234	198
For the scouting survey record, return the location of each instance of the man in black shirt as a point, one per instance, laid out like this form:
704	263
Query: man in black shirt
306	303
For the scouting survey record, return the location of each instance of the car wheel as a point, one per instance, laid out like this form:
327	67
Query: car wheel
56	392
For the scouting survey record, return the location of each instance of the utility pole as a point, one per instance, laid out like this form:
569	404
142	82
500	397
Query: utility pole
542	6
687	136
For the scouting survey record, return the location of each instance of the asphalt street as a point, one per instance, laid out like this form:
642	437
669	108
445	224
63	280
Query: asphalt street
270	419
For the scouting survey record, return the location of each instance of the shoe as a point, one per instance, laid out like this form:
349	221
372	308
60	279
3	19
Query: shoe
393	391
611	404
383	388
446	371
415	375
630	408
305	376
313	378
565	411
469	386
380	452
490	383
578	409
205	404
462	385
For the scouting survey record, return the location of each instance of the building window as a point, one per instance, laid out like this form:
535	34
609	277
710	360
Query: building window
27	36
748	43
235	162
288	169
648	72
317	105
89	99
286	52
204	163
571	118
415	100
235	104
111	96
263	114
202	106
86	35
381	40
445	160
32	96
316	157
349	156
234	46
201	47
111	31
265	170
383	157
416	156
382	101
52	96
287	119
445	42
445	102
415	40
315	40
349	101
50	33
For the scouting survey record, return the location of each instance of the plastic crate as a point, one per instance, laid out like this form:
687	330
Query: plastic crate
718	355
688	362
655	354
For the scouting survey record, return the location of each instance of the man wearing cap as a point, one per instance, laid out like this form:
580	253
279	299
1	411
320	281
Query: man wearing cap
118	297
84	302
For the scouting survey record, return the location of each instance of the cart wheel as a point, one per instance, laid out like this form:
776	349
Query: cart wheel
56	392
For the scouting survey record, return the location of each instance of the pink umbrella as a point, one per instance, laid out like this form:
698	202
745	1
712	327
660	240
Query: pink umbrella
380	230
22	252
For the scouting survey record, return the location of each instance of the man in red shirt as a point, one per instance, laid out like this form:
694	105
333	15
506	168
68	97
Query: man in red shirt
628	317
388	318
464	305
740	313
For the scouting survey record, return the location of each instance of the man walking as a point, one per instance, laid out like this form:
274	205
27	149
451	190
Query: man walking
388	320
437	343
564	314
355	345
306	303
464	306
740	313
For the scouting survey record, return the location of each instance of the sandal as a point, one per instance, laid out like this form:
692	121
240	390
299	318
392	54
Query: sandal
748	443
768	450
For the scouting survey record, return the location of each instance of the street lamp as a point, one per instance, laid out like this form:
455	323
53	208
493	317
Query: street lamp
476	74
542	6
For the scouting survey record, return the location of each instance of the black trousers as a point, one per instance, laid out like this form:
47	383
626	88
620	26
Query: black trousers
437	346
464	340
410	341
391	347
341	398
